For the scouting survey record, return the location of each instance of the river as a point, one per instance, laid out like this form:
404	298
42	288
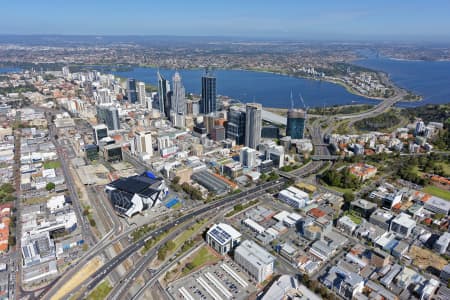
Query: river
430	79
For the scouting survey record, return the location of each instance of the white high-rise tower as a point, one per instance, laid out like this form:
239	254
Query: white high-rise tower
253	125
178	104
142	97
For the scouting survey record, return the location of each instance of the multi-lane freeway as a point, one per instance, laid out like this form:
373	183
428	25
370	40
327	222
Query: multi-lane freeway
105	270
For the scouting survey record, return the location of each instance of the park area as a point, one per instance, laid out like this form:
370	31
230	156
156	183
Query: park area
438	192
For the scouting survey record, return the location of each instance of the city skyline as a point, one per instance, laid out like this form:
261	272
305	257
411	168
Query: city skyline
350	20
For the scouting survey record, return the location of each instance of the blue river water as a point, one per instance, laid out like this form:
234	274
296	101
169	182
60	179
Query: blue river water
271	90
430	79
9	70
426	78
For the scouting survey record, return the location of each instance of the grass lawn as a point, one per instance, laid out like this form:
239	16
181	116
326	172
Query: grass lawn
201	257
356	219
101	291
53	164
435	191
445	166
187	234
338	189
176	206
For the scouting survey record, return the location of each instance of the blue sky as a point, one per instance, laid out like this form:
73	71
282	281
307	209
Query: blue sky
313	19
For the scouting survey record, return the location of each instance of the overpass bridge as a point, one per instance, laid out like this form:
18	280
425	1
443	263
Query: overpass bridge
324	157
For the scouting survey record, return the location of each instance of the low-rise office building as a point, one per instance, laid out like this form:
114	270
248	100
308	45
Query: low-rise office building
363	207
438	205
402	225
294	197
223	238
256	261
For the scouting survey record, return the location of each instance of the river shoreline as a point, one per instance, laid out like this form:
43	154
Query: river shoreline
348	88
336	81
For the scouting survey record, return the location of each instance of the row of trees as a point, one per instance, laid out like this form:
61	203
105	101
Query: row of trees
193	192
317	288
269	177
18	89
380	122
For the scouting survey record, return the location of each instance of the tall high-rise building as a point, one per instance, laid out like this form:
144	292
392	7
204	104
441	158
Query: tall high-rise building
103	96
65	71
142	95
296	121
208	101
178	103
164	95
143	140
109	115
253	125
236	125
100	132
131	90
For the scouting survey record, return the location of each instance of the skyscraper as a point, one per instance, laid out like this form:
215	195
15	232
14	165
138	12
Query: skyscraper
253	125
178	104
142	96
108	115
131	89
163	95
208	102
296	121
103	96
236	125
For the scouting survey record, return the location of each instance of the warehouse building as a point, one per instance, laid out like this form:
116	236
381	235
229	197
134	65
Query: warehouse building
211	182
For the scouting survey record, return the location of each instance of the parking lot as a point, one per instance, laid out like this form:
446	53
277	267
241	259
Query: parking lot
224	280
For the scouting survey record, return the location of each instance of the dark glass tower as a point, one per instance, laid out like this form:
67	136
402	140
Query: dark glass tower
132	94
236	125
296	121
208	102
164	96
109	115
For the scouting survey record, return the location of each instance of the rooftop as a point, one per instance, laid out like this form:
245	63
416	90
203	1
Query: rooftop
438	202
223	233
404	220
255	254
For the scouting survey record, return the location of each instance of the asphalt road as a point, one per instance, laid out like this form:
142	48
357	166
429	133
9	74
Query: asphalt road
82	221
104	271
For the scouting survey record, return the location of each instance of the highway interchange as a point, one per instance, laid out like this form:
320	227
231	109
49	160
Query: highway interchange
319	149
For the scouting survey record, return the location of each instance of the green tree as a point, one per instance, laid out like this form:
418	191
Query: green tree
349	197
7	188
176	180
50	186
